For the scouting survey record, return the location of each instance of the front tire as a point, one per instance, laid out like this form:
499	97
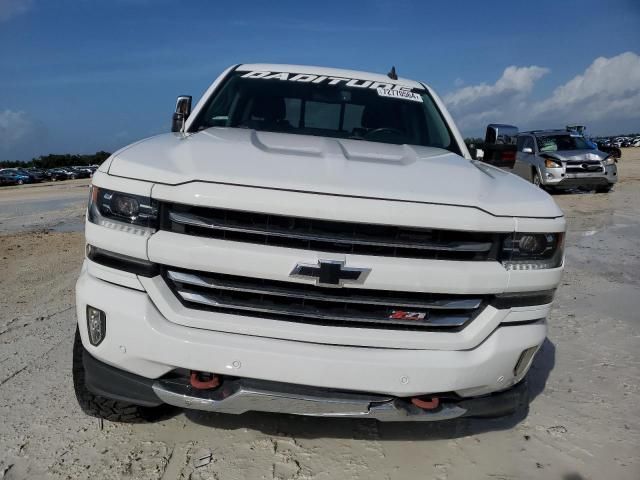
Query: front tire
606	189
536	180
102	407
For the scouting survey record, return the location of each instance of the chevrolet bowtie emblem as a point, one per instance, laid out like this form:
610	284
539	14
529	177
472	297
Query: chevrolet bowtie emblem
330	273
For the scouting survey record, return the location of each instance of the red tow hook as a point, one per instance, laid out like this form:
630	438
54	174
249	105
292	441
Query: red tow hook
204	381
426	404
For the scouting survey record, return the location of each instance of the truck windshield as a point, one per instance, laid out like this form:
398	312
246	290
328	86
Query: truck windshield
354	109
553	143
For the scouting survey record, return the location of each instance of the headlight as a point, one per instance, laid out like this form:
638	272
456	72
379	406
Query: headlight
549	163
610	160
532	251
122	211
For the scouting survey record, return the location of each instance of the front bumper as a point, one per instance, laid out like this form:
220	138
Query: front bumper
559	178
140	340
238	396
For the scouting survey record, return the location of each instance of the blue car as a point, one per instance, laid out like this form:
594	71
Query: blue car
13	178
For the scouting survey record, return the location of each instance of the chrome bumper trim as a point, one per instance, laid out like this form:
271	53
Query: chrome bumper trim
243	395
443	321
356	297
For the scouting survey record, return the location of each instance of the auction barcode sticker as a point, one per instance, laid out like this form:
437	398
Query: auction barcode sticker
403	94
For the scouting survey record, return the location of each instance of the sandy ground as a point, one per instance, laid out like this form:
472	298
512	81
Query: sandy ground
58	206
583	423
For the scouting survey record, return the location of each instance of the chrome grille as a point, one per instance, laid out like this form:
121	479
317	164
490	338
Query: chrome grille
302	303
329	236
584	166
585	169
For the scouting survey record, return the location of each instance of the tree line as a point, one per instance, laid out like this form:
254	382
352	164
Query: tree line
473	141
58	160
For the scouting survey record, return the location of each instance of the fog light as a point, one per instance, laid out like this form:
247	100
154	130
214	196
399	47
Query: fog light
96	325
523	362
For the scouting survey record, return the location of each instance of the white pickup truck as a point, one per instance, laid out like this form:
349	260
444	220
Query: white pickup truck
312	241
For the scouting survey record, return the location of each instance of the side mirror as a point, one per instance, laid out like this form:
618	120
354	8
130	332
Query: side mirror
183	110
500	145
527	150
501	134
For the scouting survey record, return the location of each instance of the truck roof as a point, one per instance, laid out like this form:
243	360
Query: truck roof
330	72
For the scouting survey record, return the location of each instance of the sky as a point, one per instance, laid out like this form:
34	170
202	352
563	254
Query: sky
78	76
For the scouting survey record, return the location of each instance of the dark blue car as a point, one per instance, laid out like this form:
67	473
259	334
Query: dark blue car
10	177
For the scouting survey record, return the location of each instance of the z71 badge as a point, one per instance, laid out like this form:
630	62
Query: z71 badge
402	315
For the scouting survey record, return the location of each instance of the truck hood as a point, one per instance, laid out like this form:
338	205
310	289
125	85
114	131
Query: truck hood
576	155
331	166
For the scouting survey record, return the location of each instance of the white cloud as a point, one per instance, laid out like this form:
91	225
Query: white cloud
513	84
13	8
606	96
15	127
608	87
21	136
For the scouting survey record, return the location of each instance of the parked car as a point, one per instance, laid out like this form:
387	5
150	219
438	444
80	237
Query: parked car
57	174
608	148
85	169
11	177
35	176
499	147
319	242
560	159
38	174
80	172
47	174
27	176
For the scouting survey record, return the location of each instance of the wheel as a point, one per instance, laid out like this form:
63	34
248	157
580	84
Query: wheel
536	180
605	189
20	182
101	407
72	177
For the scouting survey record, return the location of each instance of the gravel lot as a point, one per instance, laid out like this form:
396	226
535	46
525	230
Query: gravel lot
583	422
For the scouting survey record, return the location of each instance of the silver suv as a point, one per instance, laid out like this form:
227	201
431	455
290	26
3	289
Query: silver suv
563	159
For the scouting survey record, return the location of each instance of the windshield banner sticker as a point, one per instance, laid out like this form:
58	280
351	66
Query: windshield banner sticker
390	88
403	94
